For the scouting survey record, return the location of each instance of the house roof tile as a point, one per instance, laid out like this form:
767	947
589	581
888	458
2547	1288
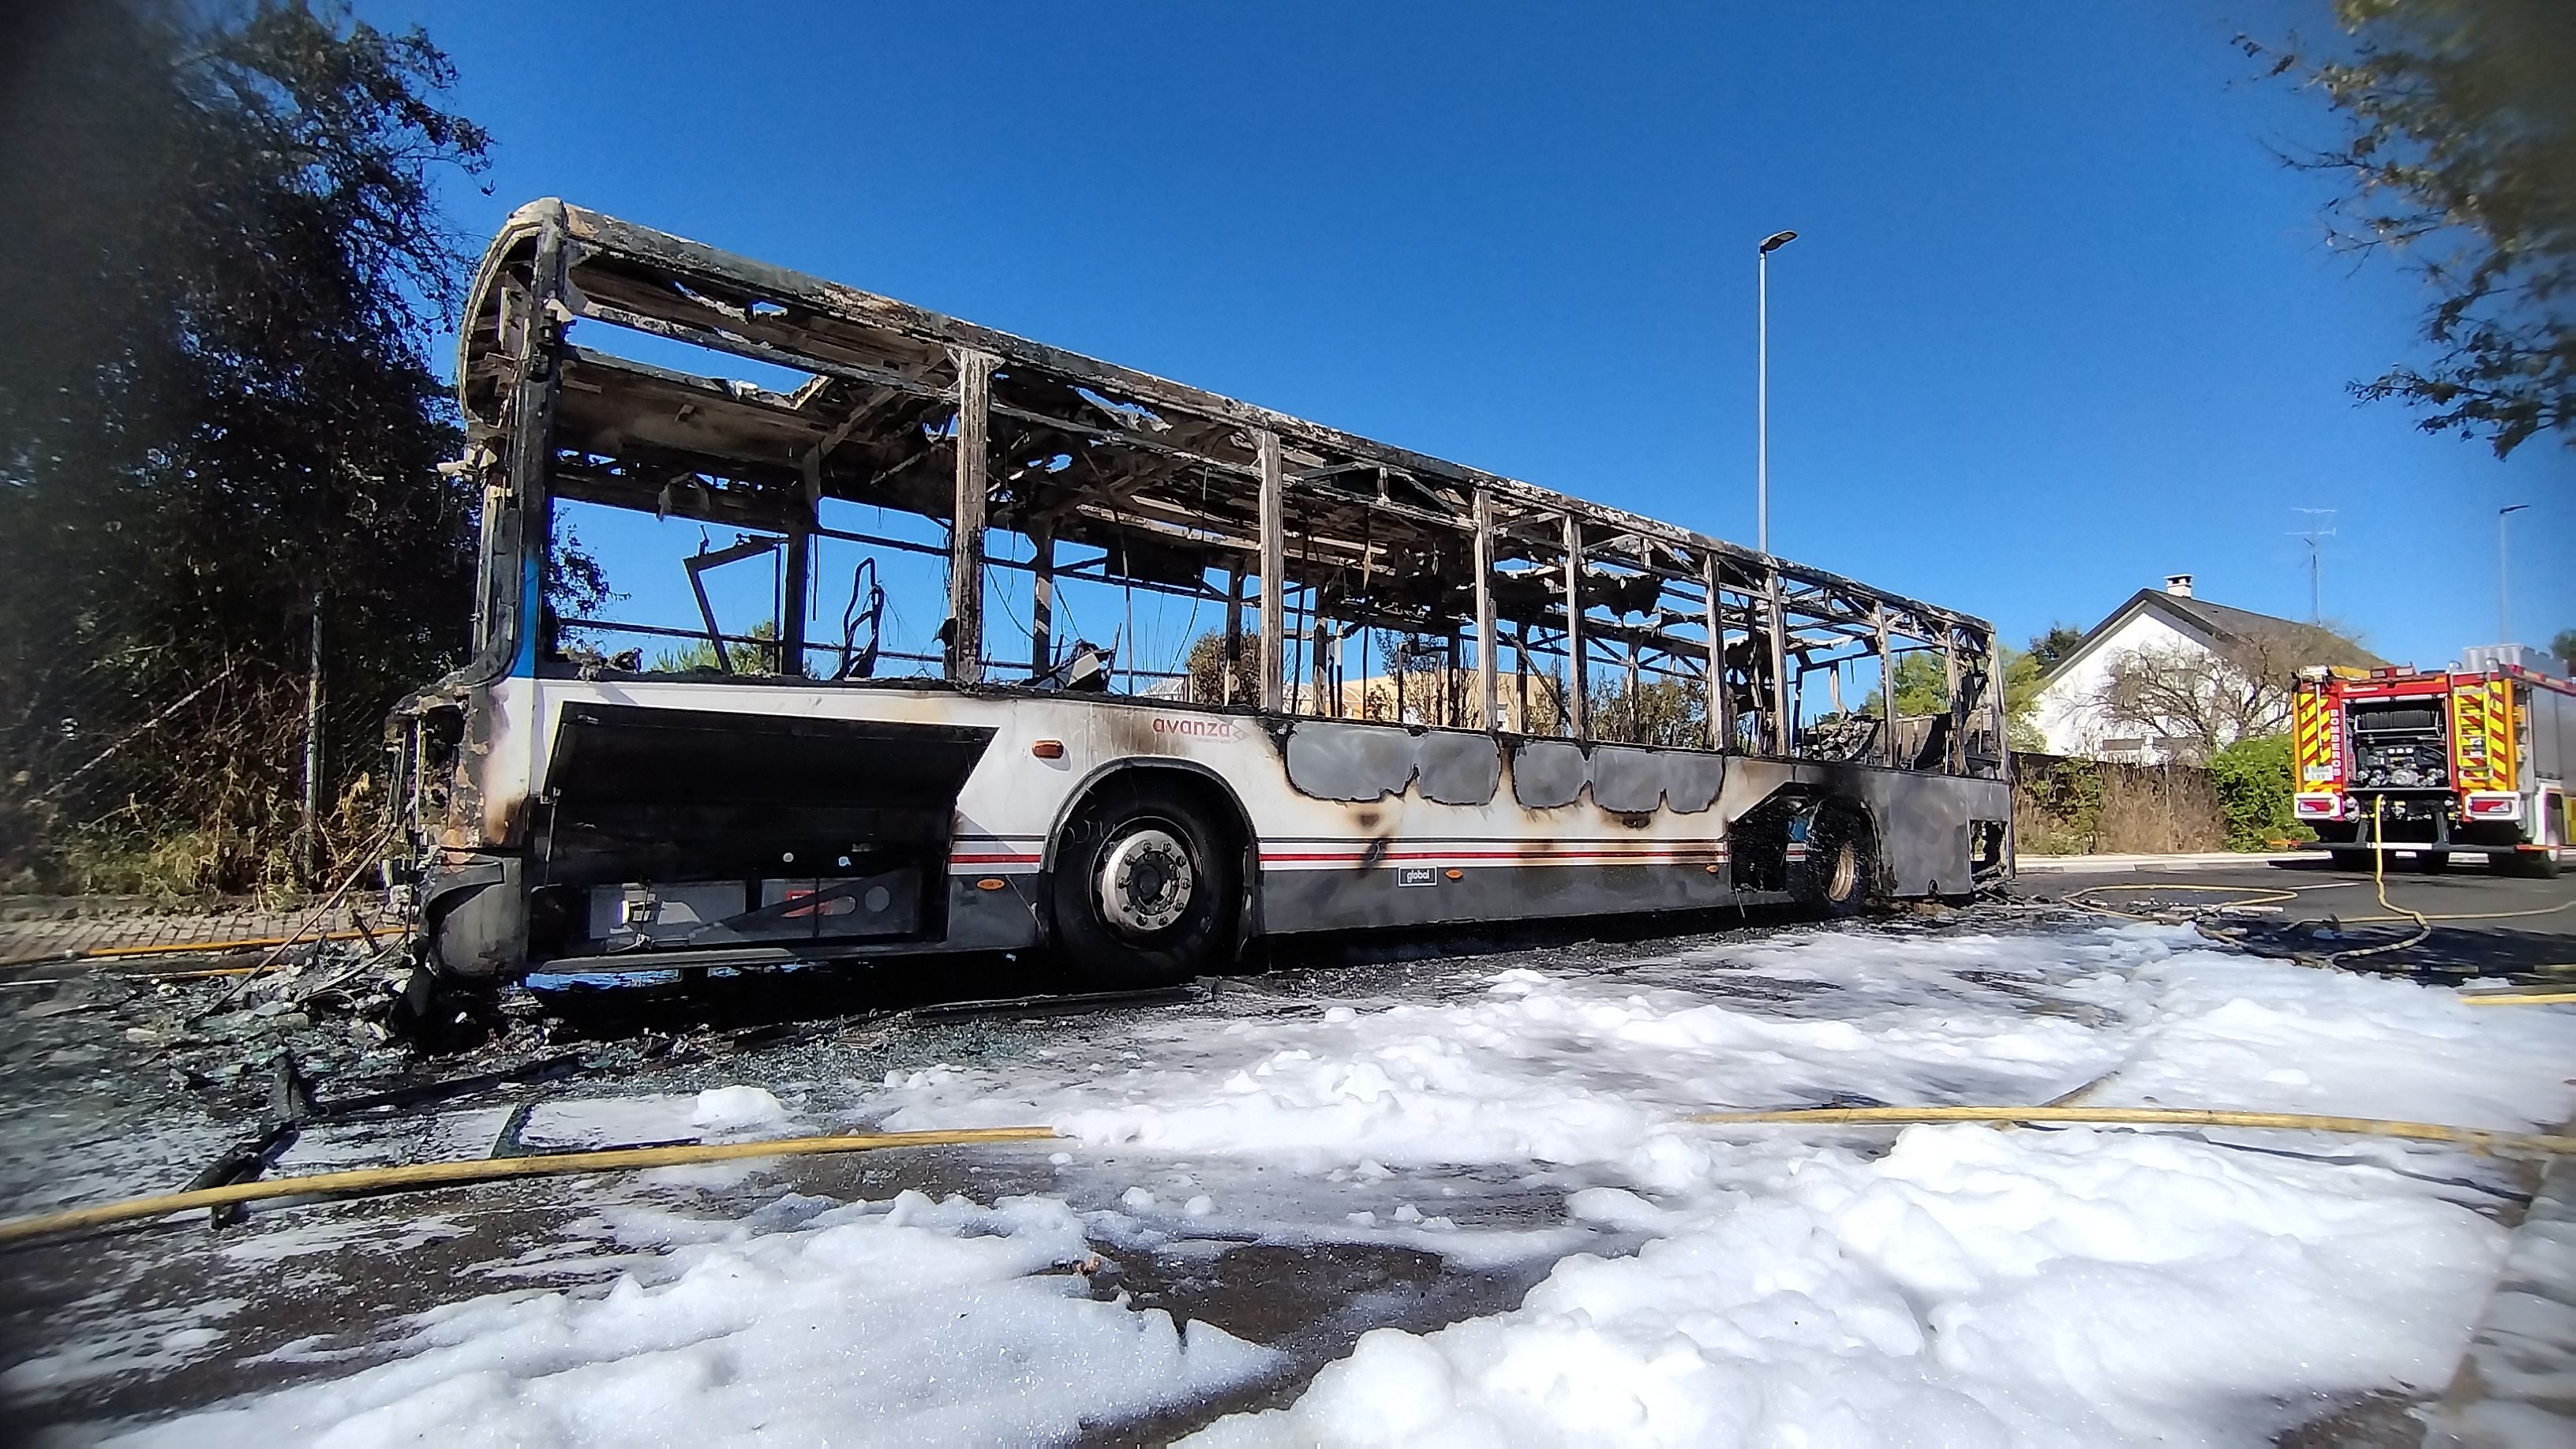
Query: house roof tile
2306	644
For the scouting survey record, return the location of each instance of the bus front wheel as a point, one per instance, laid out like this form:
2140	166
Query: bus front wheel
1143	889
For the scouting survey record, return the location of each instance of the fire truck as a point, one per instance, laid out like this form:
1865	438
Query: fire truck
2434	762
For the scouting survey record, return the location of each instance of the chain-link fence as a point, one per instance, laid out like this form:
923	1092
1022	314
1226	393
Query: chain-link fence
134	760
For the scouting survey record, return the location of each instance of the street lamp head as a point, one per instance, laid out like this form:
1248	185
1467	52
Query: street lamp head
2511	508
1777	240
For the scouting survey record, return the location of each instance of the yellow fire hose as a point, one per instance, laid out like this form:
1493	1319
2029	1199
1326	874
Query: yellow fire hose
494	1169
2265	895
2254	896
2474	1137
182	948
2560	997
2379	882
620	1159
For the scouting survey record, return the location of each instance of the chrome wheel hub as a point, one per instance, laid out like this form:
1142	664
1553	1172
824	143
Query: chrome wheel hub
1846	876
1145	881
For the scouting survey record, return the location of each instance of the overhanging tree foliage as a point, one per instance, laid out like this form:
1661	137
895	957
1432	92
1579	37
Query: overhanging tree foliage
223	257
2058	641
2460	158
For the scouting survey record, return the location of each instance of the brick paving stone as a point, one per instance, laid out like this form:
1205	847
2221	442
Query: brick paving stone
39	929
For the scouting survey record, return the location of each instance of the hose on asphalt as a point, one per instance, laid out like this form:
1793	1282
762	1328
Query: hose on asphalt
494	1169
2256	896
2478	1138
627	1159
2265	895
2560	997
2379	882
2407	915
180	948
2262	895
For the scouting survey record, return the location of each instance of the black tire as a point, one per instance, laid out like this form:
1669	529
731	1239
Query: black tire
2529	864
2350	860
1114	933
2432	862
1840	873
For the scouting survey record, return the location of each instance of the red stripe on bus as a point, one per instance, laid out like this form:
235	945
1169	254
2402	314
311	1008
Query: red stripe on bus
1649	857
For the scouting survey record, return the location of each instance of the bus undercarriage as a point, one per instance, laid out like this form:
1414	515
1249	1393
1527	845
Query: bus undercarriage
1590	712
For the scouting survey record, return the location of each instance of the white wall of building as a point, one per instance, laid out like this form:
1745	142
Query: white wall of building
2067	711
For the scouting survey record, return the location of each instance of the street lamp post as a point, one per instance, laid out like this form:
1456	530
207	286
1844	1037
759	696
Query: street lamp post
1762	389
2504	596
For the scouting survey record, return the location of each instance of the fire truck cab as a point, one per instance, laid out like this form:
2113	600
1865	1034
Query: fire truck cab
2432	762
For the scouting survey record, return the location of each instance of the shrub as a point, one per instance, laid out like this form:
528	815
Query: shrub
2254	792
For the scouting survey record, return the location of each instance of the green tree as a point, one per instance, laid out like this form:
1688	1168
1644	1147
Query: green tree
2022	674
1205	665
222	264
701	655
2059	640
1661	712
2564	646
2458	158
1922	686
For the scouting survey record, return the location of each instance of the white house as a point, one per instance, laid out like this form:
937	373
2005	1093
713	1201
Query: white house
2227	672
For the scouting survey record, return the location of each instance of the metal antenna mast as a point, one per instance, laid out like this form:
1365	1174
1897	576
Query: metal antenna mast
2315	535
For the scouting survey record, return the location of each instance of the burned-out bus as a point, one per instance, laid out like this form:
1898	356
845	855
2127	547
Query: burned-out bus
803	788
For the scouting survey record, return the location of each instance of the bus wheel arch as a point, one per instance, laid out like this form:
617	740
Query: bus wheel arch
1148	876
1843	867
475	923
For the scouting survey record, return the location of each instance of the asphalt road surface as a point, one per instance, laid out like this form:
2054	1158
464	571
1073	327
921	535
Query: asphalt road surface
99	1099
2482	923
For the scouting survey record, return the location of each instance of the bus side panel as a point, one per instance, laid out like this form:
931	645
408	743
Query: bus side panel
1403	860
1387	854
1927	825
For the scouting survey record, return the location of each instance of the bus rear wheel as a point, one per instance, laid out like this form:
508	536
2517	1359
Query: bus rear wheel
1840	872
1144	889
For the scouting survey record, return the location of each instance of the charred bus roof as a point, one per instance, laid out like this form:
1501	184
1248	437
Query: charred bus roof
1168	480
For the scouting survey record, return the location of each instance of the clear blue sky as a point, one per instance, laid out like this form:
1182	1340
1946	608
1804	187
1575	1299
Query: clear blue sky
2058	322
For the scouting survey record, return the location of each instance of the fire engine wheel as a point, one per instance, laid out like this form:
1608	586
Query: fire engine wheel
2432	862
1143	889
2350	860
2539	864
1841	868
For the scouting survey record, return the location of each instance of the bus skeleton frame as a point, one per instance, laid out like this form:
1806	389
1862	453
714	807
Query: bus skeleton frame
565	810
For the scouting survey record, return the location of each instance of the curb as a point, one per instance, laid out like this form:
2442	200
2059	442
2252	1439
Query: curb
2517	1382
2109	864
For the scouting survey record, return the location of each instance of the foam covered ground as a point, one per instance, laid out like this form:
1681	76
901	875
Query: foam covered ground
1970	1286
1942	1285
905	1322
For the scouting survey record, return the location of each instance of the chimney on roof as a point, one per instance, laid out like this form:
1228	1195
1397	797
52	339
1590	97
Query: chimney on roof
2178	585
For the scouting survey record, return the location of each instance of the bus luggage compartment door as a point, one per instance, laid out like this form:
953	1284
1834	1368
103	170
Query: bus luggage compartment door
706	828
